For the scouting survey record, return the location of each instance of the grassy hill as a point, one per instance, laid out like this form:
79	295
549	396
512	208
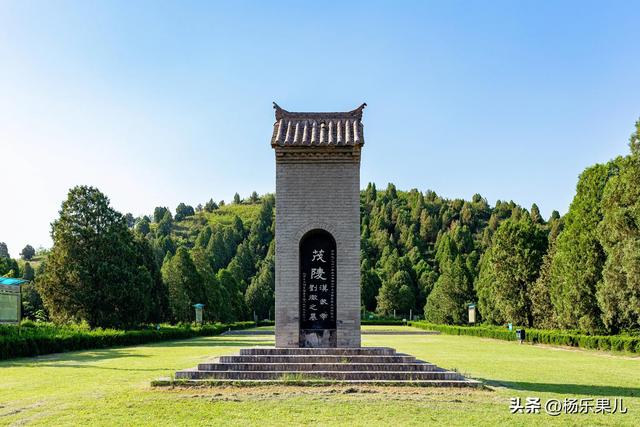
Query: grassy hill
186	230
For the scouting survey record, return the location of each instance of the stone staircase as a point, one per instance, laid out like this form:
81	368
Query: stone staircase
365	365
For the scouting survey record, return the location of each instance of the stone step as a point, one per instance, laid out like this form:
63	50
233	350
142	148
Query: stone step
274	351
312	358
320	375
163	382
410	367
302	366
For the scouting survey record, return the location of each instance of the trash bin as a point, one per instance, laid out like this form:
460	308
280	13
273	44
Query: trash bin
520	334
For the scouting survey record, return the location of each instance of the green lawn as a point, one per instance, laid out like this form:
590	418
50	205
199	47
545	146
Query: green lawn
111	387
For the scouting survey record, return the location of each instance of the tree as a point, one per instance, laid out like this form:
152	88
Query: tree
234	296
130	220
158	296
143	225
28	273
535	214
427	279
32	306
260	293
619	233
447	302
254	248
184	284
159	213
28	253
254	198
576	267
4	252
165	225
236	199
183	211
92	272
396	295
9	267
210	206
509	271
542	310
216	299
370	284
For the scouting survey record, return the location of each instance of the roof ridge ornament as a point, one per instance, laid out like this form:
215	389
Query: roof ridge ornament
353	114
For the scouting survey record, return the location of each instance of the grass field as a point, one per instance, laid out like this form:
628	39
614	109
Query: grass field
111	387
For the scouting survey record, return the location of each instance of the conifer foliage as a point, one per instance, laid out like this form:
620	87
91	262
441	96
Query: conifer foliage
420	253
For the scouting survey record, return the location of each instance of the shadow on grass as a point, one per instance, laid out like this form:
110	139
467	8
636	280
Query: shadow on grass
566	389
95	355
199	342
92	366
55	359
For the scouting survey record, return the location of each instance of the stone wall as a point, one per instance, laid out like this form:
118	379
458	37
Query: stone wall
326	195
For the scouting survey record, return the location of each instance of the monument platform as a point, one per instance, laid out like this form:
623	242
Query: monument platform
362	365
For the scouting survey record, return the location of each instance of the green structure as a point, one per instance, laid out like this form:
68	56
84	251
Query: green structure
10	299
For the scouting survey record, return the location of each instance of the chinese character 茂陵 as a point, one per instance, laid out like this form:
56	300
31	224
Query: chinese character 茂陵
318	255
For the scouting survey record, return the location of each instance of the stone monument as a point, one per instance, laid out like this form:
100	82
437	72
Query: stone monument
318	271
317	284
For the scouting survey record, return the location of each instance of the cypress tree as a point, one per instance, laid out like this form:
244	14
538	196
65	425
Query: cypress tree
619	293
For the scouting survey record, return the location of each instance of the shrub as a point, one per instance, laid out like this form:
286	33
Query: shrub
630	343
381	322
35	339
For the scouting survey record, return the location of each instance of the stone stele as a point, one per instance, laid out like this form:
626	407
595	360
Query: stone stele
317	283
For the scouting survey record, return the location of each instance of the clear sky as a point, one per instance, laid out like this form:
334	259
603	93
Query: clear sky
157	103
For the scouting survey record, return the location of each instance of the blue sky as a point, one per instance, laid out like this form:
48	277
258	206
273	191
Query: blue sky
157	103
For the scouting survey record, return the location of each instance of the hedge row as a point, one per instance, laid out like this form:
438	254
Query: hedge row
387	322
629	343
32	339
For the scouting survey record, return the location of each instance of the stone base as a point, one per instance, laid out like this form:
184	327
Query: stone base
362	365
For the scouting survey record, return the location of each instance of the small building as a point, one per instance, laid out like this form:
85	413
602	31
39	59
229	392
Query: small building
10	299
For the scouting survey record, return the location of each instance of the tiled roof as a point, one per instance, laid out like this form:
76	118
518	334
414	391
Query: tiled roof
300	129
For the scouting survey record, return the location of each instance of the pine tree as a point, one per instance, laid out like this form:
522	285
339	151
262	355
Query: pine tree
93	272
370	284
4	252
159	213
237	309
447	302
143	225
510	269
28	253
210	206
185	285
619	232
165	225
183	211
542	309
535	214
260	297
396	294
28	273
576	268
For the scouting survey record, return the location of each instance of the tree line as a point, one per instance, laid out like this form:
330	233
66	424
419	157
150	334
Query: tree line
420	252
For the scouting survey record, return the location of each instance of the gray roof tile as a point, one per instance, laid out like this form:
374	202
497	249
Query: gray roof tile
300	129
